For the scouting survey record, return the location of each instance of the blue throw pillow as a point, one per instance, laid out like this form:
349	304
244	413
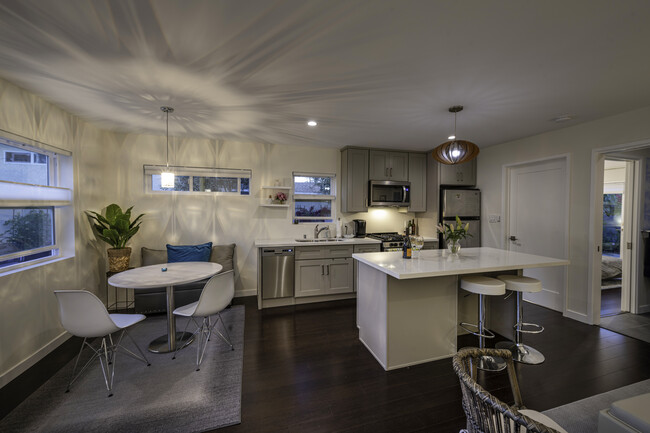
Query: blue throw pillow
189	253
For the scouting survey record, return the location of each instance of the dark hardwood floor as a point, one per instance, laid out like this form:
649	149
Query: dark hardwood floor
306	371
610	302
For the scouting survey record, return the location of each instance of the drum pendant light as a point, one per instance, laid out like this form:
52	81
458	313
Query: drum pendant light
167	176
455	151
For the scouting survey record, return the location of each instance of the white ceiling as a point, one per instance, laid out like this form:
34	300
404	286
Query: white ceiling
373	73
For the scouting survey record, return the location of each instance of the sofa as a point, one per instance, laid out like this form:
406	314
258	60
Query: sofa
154	300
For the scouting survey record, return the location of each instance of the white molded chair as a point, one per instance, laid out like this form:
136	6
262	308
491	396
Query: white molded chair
215	297
84	315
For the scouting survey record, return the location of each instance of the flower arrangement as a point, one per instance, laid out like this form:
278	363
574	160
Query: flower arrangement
454	234
281	197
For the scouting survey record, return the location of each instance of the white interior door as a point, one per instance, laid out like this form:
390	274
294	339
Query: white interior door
538	223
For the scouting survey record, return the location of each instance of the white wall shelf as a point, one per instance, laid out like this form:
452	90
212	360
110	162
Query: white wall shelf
272	191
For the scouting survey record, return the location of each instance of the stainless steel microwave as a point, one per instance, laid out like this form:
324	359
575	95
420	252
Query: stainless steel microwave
389	193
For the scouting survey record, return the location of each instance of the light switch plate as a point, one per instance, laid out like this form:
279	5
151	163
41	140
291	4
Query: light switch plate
494	218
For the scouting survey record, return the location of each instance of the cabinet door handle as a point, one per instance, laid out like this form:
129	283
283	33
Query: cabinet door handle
328	269
391	172
322	269
386	172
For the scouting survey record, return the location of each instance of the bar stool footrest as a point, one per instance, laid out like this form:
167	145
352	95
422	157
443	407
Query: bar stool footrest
487	332
538	328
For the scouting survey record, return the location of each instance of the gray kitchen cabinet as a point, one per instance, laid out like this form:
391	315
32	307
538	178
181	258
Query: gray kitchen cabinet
459	174
341	278
354	180
386	165
417	176
310	278
430	245
328	271
370	248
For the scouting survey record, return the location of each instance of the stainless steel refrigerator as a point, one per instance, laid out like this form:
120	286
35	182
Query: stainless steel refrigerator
466	204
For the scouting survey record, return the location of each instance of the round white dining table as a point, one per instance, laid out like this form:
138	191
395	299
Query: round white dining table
167	275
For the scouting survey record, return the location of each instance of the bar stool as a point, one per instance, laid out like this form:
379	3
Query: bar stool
522	352
483	286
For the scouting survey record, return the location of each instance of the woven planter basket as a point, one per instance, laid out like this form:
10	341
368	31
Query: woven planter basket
118	259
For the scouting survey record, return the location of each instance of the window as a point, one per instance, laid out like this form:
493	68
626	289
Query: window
217	181
314	197
33	205
25	158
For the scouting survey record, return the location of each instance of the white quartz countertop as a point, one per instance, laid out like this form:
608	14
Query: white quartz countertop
437	263
260	243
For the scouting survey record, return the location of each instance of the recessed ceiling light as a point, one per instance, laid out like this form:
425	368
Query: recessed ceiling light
451	137
312	123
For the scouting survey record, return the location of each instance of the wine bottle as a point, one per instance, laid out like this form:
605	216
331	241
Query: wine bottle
406	248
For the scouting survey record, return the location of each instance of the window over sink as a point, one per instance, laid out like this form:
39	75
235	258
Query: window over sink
314	197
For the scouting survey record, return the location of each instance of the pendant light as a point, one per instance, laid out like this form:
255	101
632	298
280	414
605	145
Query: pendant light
167	176
455	151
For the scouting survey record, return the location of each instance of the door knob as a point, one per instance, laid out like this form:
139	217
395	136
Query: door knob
513	238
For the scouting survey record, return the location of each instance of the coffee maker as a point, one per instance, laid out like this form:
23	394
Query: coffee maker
359	228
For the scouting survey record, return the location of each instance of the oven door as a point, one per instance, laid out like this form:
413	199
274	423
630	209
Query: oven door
389	193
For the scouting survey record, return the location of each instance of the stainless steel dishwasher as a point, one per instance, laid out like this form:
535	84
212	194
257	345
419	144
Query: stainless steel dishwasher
277	272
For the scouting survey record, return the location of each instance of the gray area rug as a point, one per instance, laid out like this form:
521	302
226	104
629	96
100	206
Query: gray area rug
633	325
582	416
167	396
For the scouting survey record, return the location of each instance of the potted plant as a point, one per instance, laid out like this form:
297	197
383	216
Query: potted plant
116	228
453	234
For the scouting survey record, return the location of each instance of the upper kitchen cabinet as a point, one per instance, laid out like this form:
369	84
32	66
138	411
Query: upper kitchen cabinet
418	178
354	180
389	165
459	174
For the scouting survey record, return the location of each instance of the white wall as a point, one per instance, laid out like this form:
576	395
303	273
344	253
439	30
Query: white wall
189	219
29	324
578	141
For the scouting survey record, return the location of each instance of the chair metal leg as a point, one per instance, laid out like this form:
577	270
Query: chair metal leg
72	377
108	370
225	328
142	356
106	353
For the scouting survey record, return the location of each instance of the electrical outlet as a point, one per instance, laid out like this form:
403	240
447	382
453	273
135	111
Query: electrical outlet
494	218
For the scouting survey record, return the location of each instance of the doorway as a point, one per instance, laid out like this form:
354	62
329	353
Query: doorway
538	222
618	201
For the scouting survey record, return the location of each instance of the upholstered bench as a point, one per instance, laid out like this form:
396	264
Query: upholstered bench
631	415
153	300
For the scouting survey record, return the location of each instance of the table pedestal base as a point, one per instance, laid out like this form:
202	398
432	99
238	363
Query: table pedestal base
161	344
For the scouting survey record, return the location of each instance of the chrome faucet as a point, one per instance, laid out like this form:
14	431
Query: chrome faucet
318	230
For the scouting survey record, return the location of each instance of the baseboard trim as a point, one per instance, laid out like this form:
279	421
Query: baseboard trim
644	309
247	292
24	365
580	317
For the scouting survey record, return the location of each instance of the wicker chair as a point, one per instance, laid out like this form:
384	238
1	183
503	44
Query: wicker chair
485	413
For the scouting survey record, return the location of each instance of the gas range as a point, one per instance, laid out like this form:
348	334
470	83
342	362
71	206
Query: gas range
391	241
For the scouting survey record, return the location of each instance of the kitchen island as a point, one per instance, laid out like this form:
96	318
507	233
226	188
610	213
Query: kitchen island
408	309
